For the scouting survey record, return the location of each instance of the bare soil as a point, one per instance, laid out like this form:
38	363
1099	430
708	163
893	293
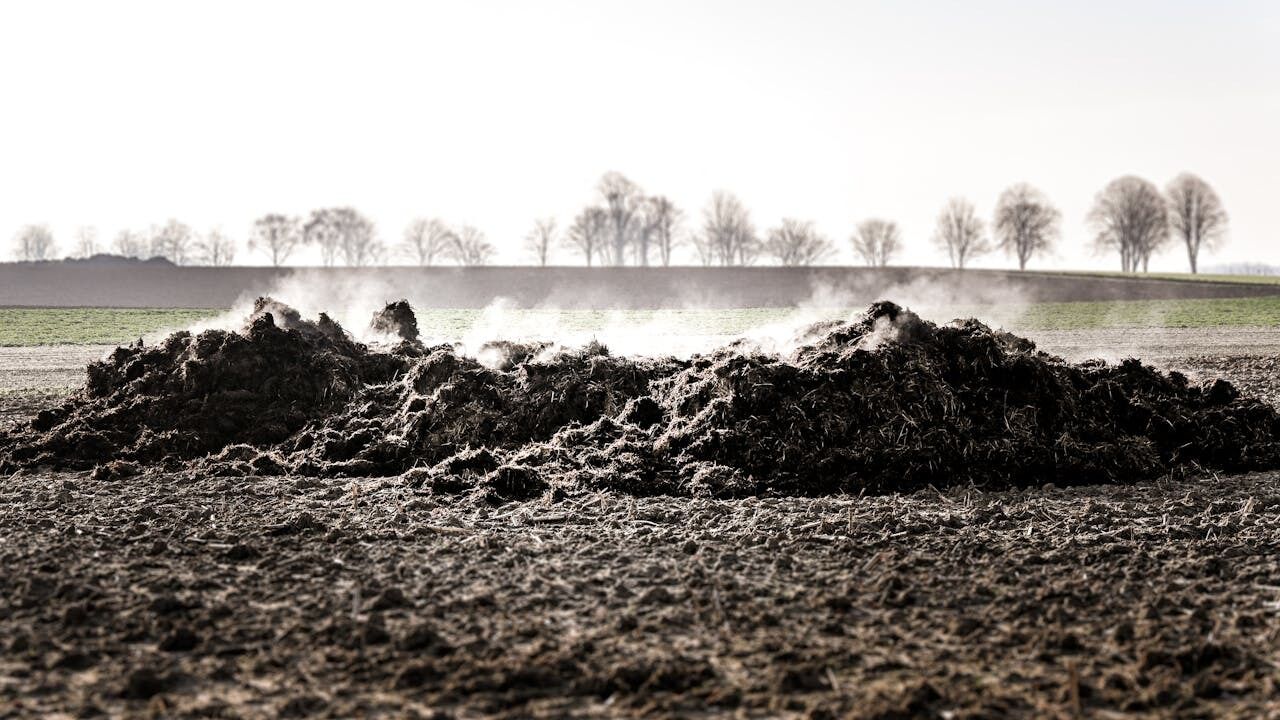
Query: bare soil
1164	347
185	596
46	367
182	595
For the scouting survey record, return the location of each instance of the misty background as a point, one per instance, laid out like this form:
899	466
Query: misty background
495	114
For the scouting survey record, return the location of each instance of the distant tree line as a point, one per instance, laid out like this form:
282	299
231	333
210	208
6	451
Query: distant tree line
625	225
173	241
344	236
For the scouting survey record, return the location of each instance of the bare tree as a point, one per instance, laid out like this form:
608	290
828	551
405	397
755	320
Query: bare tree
1025	223
1196	215
321	230
172	241
702	246
876	241
1130	216
277	236
587	234
426	240
358	241
795	243
661	227
34	243
344	232
728	232
216	249
960	233
86	242
130	244
540	239
622	200
469	247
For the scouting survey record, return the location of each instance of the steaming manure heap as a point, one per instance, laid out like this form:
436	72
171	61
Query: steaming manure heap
885	403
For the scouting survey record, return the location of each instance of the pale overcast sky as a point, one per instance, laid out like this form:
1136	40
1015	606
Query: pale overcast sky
122	114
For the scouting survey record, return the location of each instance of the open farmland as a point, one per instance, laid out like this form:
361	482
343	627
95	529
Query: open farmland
206	590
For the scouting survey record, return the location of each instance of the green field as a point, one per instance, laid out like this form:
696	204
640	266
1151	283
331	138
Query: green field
89	326
105	326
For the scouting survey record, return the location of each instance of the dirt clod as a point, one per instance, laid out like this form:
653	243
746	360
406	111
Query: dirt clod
180	640
144	683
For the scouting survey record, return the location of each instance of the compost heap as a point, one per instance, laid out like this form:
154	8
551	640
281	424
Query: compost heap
888	402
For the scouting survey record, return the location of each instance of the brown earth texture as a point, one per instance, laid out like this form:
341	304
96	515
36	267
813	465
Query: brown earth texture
153	569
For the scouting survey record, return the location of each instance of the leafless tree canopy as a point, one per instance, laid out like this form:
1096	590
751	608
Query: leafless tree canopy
34	243
321	230
343	232
876	241
215	249
1196	216
626	226
662	226
540	240
130	244
795	243
469	247
277	236
728	236
359	243
172	241
960	233
86	242
587	234
622	203
426	240
1025	223
1130	217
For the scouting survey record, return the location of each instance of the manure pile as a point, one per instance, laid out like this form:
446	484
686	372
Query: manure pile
885	403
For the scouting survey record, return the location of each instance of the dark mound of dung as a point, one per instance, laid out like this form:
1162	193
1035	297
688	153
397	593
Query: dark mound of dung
885	403
192	395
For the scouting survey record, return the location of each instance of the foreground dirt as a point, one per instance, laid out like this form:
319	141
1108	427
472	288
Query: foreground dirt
183	596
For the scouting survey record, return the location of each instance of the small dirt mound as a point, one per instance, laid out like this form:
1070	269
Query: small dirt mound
396	319
887	402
